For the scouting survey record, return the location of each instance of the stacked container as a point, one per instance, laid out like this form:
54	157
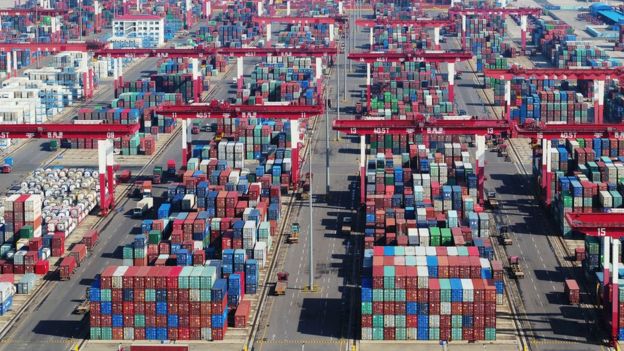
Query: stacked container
408	295
158	303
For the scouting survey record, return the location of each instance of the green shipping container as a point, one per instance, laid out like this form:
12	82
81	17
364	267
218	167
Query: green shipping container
150	295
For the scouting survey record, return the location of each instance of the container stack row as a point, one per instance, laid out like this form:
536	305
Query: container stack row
417	293
284	80
36	221
435	192
586	176
158	303
43	93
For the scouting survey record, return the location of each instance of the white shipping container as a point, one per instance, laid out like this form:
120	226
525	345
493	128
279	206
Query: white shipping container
412	236
188	202
6	291
468	290
260	253
117	278
18	258
422	277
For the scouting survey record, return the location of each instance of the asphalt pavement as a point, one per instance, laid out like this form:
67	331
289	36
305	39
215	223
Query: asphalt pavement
322	319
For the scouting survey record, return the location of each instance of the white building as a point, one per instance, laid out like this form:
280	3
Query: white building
148	27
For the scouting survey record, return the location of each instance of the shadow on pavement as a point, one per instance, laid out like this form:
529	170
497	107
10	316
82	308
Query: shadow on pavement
321	317
59	328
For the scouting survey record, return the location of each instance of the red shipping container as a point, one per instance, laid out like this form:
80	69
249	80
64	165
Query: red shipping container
7	278
18	269
42	267
79	252
67	267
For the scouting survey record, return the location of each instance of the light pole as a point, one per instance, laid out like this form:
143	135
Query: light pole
344	71
311	237
327	173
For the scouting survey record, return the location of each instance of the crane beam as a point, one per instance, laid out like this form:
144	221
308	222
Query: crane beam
413	56
225	110
419	22
65	130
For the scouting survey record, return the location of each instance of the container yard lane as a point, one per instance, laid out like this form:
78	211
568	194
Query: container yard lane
49	324
553	323
320	320
544	313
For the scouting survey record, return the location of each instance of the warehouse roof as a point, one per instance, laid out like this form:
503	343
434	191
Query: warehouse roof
612	16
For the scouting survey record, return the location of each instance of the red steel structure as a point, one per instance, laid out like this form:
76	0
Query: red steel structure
203	52
450	58
217	109
485	12
39	11
419	22
481	128
597	75
610	228
101	132
267	21
100	50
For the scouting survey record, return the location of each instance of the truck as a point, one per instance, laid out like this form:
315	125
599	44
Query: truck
67	267
53	145
142	207
492	202
293	237
514	266
124	176
346	225
79	252
282	283
146	188
502	151
157	175
84	306
573	292
171	168
7	165
90	239
505	236
136	190
305	187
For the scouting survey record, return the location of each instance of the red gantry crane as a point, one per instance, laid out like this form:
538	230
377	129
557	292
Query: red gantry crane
100	49
610	228
419	23
39	11
55	47
597	75
204	52
267	21
216	109
301	5
462	126
485	12
450	58
101	132
472	126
